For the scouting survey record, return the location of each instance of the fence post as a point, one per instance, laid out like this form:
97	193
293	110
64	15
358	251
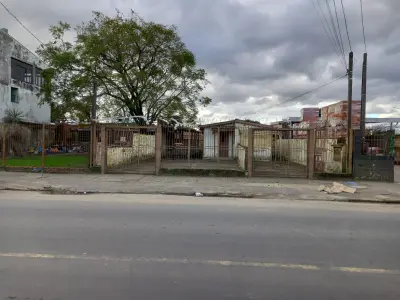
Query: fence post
43	145
103	150
158	147
189	142
219	143
3	150
350	154
246	151
91	150
311	136
250	151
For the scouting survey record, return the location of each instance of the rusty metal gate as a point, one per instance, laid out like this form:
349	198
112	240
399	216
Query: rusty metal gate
331	152
181	147
374	155
131	149
280	153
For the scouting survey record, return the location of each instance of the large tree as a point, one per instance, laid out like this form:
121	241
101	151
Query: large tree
137	68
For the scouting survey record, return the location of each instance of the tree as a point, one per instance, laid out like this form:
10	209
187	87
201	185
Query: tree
140	68
17	136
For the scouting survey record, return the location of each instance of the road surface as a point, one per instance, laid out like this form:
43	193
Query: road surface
97	247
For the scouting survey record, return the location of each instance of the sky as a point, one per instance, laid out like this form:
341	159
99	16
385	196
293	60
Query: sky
258	54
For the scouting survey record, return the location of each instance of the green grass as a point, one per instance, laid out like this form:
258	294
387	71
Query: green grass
51	161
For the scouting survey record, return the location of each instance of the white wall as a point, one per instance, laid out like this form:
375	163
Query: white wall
28	94
238	129
262	145
28	105
208	142
211	144
231	146
242	153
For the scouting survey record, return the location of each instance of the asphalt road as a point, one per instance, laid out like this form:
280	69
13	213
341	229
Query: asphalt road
162	247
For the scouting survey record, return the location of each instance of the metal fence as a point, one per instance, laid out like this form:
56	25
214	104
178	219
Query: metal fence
374	155
38	146
280	153
213	147
378	143
331	152
129	149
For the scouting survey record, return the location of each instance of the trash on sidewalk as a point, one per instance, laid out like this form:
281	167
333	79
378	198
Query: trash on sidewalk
351	183
337	188
197	194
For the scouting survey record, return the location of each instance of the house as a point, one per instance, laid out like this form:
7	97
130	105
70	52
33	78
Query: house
179	141
20	81
287	123
291	122
221	140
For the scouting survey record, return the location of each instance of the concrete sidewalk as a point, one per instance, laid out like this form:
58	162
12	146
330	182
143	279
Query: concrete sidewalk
263	188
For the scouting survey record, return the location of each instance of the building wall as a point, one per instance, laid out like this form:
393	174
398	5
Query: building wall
235	139
295	150
211	144
210	150
28	94
232	149
262	145
242	157
143	147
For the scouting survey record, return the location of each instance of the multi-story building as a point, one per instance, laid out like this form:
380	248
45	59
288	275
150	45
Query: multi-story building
20	81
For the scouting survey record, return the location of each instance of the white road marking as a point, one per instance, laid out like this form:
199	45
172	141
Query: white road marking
266	265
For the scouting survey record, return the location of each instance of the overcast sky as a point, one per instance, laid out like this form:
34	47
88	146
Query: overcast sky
257	53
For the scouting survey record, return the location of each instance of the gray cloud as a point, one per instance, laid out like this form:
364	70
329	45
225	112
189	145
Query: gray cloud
257	53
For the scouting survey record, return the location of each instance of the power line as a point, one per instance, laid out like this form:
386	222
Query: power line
340	32
6	8
362	22
332	37
334	29
313	90
327	30
345	23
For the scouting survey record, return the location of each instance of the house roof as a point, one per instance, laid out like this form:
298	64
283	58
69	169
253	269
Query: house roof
235	121
382	120
287	120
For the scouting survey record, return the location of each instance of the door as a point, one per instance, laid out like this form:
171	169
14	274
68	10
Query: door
224	144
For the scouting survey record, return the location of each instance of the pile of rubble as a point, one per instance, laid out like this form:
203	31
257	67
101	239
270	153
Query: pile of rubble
337	188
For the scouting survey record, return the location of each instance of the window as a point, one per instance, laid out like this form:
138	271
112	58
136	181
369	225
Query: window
21	71
14	95
39	78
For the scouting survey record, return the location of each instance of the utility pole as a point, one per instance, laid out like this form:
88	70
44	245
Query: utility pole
363	96
349	111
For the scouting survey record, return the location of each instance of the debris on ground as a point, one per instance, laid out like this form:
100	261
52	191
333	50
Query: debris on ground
337	188
352	184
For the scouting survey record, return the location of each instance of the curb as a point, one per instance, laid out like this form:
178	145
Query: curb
64	191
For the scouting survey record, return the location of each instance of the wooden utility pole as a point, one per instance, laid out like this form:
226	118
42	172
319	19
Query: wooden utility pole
363	96
349	111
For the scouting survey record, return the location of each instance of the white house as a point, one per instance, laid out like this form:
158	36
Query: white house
20	81
221	140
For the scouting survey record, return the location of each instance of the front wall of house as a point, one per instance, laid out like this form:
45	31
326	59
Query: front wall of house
210	150
28	94
28	104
